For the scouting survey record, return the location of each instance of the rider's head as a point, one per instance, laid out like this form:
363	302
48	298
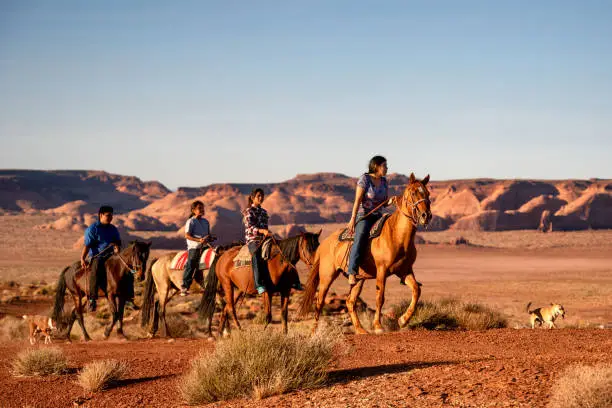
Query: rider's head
256	197
105	214
197	208
378	166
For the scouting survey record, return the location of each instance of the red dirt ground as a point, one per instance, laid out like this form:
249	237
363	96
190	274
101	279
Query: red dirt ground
495	368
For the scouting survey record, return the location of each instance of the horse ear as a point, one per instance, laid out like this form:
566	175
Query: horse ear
425	180
412	178
320	231
148	243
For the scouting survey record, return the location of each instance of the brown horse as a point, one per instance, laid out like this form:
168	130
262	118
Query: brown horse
234	282
391	253
167	283
119	270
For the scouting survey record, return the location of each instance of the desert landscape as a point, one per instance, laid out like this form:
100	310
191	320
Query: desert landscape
498	244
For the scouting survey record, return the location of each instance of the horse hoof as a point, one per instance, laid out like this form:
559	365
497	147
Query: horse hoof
379	331
402	322
361	331
210	338
171	340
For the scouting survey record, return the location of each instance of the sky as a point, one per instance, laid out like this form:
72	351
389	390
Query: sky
197	92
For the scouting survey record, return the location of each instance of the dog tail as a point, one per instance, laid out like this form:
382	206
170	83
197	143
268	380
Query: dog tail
527	308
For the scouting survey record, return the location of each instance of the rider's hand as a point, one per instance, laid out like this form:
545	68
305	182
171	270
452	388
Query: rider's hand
351	225
391	201
115	249
265	232
83	263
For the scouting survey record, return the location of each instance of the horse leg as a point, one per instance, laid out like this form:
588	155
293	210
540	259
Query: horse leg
381	280
112	302
71	320
284	309
267	308
327	278
79	314
231	304
165	331
416	293
155	324
350	304
120	317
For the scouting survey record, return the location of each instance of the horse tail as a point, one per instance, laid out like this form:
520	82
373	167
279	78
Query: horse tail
148	296
527	308
206	309
60	294
311	288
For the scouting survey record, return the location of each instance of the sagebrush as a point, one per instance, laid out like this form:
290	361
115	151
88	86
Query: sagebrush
259	363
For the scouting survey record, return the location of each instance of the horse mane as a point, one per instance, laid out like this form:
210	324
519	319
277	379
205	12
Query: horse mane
289	247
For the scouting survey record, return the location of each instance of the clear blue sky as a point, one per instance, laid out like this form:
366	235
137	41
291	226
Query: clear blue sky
195	92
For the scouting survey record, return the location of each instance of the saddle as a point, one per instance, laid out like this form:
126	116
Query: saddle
374	231
206	260
244	257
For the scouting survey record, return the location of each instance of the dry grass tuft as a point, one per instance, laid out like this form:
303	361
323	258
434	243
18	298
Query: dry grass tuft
100	375
257	363
448	314
39	362
583	386
12	329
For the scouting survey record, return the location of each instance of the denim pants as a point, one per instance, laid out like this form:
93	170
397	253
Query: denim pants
191	266
97	275
257	263
360	240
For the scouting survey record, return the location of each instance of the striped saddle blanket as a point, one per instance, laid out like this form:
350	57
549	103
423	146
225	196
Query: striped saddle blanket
206	260
374	232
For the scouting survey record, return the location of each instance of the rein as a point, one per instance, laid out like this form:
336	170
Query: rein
130	268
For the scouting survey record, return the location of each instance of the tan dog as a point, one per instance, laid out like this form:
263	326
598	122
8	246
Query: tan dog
39	324
545	314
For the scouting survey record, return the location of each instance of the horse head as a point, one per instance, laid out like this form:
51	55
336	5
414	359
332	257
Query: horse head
414	202
308	244
138	254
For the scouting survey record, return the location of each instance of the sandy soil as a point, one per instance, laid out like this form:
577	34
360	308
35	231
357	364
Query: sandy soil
505	367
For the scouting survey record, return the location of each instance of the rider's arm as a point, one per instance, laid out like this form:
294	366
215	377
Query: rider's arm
358	198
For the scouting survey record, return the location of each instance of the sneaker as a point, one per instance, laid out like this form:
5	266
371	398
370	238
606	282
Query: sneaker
260	290
352	280
92	305
184	292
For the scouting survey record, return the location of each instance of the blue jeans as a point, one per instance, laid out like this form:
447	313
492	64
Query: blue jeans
360	240
191	266
257	263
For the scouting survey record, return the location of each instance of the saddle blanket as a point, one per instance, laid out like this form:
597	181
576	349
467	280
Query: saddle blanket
206	260
244	258
374	232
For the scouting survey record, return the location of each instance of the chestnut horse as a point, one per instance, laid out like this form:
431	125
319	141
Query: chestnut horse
391	253
234	282
119	270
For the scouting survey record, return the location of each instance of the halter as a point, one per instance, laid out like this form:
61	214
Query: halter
132	270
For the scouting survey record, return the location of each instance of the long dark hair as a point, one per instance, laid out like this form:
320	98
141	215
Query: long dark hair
375	162
193	207
254	193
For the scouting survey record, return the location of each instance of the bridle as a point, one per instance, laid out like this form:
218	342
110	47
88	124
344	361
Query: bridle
306	259
136	266
414	214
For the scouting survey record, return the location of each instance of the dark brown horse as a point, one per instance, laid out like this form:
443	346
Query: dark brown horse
234	282
391	253
119	268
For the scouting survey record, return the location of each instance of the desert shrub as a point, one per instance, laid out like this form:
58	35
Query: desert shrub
12	328
39	362
256	363
100	375
583	386
448	314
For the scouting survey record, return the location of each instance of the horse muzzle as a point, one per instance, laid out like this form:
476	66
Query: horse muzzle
425	218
